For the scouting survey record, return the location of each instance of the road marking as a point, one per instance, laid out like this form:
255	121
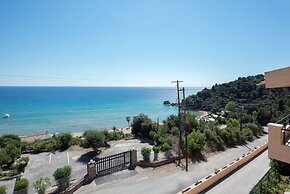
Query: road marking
67	157
49	158
142	178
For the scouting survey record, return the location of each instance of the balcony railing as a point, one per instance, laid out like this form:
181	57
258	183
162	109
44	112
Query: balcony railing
285	121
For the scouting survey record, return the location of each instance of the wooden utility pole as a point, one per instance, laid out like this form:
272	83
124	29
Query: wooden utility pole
185	129
179	118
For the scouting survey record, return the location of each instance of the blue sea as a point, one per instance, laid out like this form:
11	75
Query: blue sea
34	110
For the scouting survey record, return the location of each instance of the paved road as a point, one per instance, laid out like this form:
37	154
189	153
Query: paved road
243	180
166	179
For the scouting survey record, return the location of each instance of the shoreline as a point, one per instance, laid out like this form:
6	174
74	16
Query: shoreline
125	130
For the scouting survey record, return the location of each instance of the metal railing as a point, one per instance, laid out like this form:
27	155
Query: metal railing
265	180
285	121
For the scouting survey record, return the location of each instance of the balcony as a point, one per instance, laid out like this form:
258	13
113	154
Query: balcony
279	140
278	78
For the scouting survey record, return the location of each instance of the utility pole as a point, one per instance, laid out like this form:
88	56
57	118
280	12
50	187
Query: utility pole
185	129
179	119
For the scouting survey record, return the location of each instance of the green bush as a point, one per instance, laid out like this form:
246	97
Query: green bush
21	184
62	177
145	151
165	147
156	149
61	173
94	139
13	151
165	139
142	125
21	163
257	131
41	184
196	141
4	158
248	134
213	140
64	141
3	190
76	141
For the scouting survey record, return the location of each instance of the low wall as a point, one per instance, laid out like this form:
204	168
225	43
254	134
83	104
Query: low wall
156	164
219	174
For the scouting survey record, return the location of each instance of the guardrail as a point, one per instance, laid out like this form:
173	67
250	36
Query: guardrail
258	188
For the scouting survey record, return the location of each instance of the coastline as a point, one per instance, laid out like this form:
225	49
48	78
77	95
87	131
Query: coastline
125	130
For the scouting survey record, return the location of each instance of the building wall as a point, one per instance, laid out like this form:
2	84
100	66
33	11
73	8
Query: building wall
279	78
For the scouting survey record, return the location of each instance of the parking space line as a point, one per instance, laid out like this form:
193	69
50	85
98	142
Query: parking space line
49	158
67	157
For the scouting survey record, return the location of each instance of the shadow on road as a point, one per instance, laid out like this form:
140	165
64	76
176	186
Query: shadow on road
85	158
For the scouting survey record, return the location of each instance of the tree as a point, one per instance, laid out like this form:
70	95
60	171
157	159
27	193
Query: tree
4	158
196	141
12	151
94	139
128	120
64	140
191	121
142	125
230	106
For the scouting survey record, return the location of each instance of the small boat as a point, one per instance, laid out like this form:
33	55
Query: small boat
6	116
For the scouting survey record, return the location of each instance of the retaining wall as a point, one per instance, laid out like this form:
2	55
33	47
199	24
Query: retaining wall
219	174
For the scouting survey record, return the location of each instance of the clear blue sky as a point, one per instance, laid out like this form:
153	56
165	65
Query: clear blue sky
141	43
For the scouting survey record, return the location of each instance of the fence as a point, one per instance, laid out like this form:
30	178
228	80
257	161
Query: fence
260	186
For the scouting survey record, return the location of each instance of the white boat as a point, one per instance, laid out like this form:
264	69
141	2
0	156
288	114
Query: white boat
6	115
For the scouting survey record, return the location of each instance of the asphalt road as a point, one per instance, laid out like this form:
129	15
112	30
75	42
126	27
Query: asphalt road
166	179
243	180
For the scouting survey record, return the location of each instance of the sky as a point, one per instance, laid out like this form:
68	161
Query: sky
140	43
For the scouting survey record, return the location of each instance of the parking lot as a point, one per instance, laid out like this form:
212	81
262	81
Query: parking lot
44	165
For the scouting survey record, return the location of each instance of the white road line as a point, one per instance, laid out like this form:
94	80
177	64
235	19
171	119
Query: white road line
142	178
67	157
49	158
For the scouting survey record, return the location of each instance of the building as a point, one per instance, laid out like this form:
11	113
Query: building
279	133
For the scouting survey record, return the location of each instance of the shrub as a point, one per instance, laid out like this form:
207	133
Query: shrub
165	139
76	141
142	125
41	184
94	139
156	149
64	140
165	147
21	164
257	131
21	184
196	141
3	190
61	173
4	158
213	140
145	151
62	177
12	151
248	134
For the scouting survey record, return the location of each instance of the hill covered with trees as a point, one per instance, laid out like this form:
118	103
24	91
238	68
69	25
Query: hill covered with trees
257	101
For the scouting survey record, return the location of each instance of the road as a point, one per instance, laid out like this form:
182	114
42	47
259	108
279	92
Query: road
243	180
166	179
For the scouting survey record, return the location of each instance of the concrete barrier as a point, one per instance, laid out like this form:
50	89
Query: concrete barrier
219	174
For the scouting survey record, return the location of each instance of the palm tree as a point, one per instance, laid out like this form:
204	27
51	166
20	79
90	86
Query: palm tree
128	120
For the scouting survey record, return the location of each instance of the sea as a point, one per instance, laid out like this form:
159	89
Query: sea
35	110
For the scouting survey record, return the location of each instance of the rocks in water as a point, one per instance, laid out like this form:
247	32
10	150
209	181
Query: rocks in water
166	102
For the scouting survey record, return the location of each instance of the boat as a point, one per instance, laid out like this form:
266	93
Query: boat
6	115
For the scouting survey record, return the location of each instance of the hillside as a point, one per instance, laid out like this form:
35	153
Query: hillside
269	103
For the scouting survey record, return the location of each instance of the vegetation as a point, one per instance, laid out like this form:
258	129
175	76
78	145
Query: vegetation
64	141
94	139
21	184
62	177
142	125
146	151
21	163
196	141
3	190
61	173
276	180
243	97
41	184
